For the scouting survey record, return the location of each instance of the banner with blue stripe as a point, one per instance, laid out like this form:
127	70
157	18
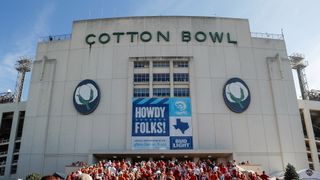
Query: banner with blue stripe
161	123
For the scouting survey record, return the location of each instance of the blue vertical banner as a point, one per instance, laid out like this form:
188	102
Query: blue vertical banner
180	124
161	123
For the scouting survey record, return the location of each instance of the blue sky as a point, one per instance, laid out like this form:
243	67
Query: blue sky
23	22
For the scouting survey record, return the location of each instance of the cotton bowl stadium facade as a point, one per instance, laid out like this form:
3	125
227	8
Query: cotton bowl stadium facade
144	88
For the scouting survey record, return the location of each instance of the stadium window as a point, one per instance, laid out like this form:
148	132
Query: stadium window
141	64
141	92
141	78
181	92
162	77
311	166
181	77
180	64
161	92
2	169
161	64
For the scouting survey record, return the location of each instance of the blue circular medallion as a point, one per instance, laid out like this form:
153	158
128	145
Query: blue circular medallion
236	95
86	96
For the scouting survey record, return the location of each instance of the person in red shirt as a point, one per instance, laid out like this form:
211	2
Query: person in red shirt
192	176
263	176
227	176
242	177
123	166
223	169
177	173
252	176
170	176
113	176
213	175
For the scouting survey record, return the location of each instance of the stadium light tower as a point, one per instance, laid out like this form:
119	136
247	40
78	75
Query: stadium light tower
23	65
299	64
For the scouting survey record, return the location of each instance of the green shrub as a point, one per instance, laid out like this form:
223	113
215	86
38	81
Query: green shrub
34	176
290	173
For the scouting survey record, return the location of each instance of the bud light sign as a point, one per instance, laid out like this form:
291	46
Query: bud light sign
161	123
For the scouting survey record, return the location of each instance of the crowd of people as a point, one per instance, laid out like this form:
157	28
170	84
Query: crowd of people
79	164
164	170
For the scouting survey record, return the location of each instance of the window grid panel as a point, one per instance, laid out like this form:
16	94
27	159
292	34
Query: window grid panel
181	77
141	78
2	169
180	64
181	92
161	64
162	77
161	92
141	64
141	92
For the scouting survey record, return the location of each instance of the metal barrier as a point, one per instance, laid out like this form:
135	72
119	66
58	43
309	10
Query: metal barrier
267	35
55	38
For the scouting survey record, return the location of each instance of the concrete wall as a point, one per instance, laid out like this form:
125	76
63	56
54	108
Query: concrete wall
269	132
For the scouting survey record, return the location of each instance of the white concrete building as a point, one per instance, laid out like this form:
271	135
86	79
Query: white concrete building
310	118
161	87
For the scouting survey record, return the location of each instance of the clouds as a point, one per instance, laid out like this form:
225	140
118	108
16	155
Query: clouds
24	45
312	70
175	7
153	7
